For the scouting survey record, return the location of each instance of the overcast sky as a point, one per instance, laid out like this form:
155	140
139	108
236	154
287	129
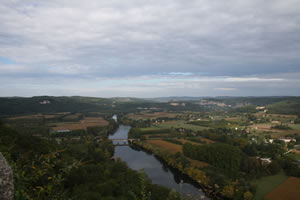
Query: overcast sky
149	48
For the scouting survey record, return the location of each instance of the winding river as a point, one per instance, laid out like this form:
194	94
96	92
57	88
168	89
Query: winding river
156	170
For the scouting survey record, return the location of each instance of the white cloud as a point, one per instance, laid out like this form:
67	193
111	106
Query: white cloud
226	89
252	79
229	42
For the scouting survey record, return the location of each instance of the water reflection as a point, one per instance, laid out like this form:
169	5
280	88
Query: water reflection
155	168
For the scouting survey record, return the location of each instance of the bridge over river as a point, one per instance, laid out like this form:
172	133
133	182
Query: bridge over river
122	141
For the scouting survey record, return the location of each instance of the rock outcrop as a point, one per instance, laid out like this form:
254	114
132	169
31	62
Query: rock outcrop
6	180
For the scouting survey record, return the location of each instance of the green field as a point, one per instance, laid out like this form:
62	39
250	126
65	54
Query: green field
267	184
295	126
180	124
150	129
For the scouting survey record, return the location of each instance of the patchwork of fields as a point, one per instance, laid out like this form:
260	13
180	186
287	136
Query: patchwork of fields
81	125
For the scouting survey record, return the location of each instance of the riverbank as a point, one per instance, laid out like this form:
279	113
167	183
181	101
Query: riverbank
182	165
157	171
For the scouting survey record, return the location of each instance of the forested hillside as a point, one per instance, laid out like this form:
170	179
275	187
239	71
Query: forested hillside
79	170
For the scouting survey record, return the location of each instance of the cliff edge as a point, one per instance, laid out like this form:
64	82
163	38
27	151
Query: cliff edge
6	180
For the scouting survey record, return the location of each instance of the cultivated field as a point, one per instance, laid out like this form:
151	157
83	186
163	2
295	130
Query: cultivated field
186	141
174	148
179	124
275	133
82	124
72	117
154	115
267	184
37	116
290	190
166	145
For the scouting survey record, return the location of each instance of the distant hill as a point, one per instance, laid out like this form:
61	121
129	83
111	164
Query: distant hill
49	104
168	99
258	101
290	106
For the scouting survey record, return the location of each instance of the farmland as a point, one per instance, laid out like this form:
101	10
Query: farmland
43	123
179	124
289	189
154	115
228	151
81	125
166	145
267	184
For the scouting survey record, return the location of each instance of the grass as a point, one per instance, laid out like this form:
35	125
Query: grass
295	126
150	129
267	184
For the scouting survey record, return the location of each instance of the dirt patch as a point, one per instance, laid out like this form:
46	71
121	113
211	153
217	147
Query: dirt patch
166	145
287	190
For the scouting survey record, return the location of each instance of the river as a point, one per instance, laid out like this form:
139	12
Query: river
156	170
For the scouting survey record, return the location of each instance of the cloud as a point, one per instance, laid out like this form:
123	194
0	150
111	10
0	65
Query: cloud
180	73
208	42
226	89
148	86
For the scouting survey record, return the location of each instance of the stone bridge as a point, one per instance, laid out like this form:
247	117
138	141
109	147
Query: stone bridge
122	141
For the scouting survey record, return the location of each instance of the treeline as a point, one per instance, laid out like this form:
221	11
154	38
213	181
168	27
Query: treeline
174	141
139	133
222	156
212	181
19	105
290	106
214	123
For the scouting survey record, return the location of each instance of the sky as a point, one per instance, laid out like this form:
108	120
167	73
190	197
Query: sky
153	48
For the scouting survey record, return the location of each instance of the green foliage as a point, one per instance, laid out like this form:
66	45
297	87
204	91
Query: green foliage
138	132
211	124
282	127
291	106
81	170
247	109
267	184
222	156
174	141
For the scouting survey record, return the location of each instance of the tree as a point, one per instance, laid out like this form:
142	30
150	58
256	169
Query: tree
274	167
248	195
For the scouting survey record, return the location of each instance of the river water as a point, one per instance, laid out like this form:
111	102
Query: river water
156	170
